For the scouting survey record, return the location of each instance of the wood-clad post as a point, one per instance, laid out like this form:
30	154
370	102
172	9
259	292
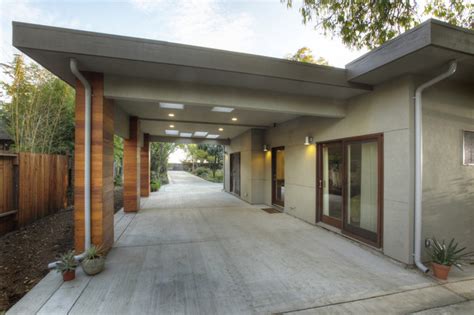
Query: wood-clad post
131	168
102	157
145	167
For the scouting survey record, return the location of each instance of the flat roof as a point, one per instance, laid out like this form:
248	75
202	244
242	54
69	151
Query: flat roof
135	57
421	50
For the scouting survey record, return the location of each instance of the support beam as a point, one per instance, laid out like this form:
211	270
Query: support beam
213	95
145	167
102	153
131	168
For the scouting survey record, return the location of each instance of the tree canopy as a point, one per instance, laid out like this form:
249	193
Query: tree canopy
39	110
370	23
304	54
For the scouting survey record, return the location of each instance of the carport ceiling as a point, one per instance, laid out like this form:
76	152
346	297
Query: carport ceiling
156	120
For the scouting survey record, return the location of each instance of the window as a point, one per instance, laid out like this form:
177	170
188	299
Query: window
468	147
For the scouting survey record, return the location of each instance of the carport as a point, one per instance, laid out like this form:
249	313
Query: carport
145	90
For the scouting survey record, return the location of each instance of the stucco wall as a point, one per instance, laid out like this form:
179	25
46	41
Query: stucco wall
387	110
448	185
249	145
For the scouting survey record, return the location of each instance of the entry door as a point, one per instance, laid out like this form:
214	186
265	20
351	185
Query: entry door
278	176
235	173
330	183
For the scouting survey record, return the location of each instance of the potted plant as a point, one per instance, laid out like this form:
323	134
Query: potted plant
67	266
444	256
94	261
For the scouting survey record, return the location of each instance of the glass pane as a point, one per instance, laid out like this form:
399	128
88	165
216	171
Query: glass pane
362	185
280	176
332	180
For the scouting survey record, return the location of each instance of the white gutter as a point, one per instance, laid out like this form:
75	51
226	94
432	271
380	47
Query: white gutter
419	160
87	160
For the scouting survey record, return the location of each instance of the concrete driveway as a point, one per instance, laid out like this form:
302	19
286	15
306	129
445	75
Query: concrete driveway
194	249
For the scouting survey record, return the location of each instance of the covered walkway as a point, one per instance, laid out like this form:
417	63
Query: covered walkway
194	249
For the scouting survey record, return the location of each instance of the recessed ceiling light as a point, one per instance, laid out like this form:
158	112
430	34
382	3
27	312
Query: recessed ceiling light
185	134
172	132
221	129
222	109
171	126
171	106
200	133
234	118
171	114
212	136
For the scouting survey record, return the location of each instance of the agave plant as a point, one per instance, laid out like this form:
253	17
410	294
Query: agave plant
94	252
67	262
448	254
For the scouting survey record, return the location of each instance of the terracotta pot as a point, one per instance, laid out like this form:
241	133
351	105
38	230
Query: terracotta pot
69	275
441	271
93	266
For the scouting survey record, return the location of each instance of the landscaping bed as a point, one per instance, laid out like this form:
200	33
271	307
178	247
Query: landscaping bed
26	252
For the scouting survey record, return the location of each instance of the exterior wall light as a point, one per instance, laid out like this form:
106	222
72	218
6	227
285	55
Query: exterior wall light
308	140
265	148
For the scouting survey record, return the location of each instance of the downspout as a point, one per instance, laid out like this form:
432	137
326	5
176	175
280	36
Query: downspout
419	160
87	160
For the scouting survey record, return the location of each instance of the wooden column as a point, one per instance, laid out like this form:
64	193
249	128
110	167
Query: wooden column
145	167
102	157
131	168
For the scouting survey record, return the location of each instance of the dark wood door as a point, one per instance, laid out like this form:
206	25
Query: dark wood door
235	173
278	176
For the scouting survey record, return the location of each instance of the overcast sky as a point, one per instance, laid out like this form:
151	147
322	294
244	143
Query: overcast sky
263	27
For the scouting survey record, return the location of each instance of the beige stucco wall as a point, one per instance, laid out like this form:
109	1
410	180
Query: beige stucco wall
249	145
387	110
448	185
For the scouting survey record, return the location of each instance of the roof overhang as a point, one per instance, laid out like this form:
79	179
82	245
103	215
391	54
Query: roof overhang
419	51
52	47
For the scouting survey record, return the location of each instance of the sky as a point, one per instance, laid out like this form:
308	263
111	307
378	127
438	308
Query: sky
262	27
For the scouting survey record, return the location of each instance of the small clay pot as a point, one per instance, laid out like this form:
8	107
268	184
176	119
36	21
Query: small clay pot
441	271
93	266
69	275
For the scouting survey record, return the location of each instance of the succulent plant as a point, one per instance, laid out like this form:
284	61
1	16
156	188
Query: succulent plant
67	262
448	254
94	252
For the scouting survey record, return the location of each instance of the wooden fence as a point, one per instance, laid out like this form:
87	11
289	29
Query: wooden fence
38	189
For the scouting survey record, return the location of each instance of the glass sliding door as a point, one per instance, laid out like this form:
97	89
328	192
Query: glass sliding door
362	182
350	186
331	184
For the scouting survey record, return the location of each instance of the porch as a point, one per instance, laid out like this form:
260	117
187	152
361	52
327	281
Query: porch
195	249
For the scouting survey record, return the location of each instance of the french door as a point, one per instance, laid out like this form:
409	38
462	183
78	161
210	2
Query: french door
350	186
235	173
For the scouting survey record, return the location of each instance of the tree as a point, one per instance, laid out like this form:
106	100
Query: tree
159	154
304	54
370	23
215	156
39	111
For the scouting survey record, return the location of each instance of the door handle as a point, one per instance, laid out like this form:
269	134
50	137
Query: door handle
320	184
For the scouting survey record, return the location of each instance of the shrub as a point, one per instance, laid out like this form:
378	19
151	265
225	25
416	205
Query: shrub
202	172
155	184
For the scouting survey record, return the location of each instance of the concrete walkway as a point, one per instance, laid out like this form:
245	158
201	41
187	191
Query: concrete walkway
194	249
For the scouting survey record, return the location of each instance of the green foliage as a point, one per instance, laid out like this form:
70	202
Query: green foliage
94	252
67	262
118	160
362	23
155	184
201	171
304	54
449	254
39	111
160	152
